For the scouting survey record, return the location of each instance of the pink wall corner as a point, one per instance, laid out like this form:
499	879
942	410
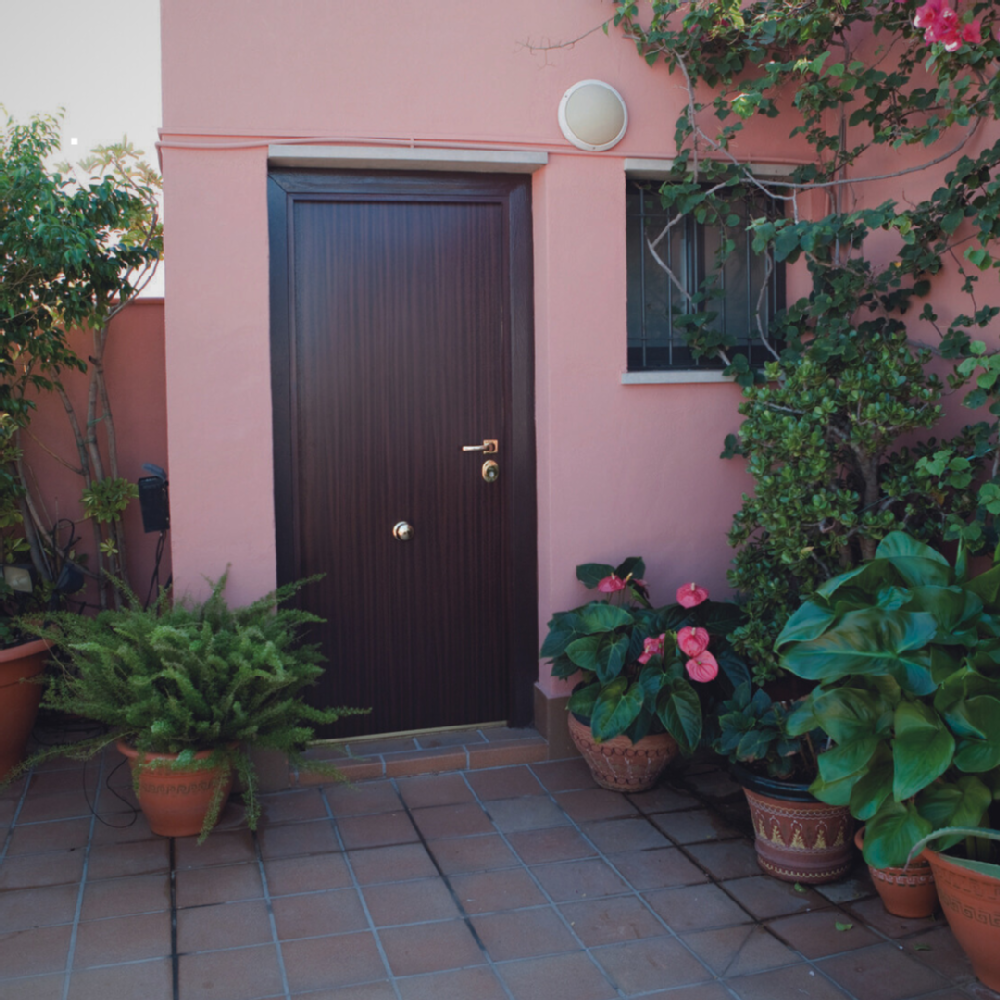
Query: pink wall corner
218	371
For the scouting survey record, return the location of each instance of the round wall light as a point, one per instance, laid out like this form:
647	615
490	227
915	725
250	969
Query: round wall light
592	115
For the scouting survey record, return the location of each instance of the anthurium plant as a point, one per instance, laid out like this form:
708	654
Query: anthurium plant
906	652
637	663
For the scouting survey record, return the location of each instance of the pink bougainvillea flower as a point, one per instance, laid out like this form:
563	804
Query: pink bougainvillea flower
692	641
611	584
691	595
653	646
703	667
927	14
972	33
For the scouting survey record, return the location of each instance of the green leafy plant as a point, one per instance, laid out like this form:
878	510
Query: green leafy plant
905	650
188	677
637	662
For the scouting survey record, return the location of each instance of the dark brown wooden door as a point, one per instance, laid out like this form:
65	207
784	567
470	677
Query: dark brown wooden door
401	323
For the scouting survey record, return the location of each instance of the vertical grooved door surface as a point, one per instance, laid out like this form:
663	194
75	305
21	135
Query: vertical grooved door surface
392	350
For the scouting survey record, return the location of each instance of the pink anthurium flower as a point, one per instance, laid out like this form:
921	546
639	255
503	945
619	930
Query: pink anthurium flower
691	595
611	584
692	641
653	646
703	667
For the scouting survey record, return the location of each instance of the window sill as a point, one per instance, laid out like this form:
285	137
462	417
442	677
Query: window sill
667	377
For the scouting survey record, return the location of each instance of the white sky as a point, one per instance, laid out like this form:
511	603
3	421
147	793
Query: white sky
97	59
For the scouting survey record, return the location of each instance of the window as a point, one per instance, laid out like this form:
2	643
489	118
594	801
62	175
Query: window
654	343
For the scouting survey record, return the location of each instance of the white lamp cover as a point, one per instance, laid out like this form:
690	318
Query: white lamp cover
592	115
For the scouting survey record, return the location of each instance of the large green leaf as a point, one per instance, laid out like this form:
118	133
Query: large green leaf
960	803
809	622
679	710
892	832
651	679
602	654
855	587
581	701
601	617
977	753
591	574
875	786
847	761
564	627
918	564
847	714
922	750
632	566
953	607
615	709
986	587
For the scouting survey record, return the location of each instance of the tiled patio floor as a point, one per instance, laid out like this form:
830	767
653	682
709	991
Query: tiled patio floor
522	882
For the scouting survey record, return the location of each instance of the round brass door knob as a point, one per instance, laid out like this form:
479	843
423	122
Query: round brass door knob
402	531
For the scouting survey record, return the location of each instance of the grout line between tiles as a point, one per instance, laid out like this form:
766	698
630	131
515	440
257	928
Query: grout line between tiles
175	964
361	895
13	822
270	914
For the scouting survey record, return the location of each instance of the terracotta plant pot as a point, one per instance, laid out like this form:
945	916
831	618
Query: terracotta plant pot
905	892
176	802
621	765
797	837
971	902
19	699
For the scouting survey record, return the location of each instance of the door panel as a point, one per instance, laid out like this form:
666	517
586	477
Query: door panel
395	354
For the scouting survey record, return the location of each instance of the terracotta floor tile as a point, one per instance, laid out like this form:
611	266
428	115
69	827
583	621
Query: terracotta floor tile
221	848
713	783
376	831
696	907
121	828
425	762
241	974
798	982
148	980
308	874
420	948
556	977
873	913
23	909
63	780
589	804
410	902
58	835
122	939
34	951
64	805
220	884
391	864
613	835
531	812
663	799
397	744
292	807
767	897
704	991
816	936
295	839
501	734
223	925
460	820
36	987
659	869
506	753
504	783
119	897
939	950
12	792
337	911
471	854
143	857
881	972
559	843
432	741
728	859
524	934
363	799
740	951
41	869
322	963
349	770
652	964
461	984
367	991
578	880
564	775
434	790
488	892
611	920
694	826
848	890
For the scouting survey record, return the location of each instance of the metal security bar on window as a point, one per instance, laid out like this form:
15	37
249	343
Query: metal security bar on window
688	250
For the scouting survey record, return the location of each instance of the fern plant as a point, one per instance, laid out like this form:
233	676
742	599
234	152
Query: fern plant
186	677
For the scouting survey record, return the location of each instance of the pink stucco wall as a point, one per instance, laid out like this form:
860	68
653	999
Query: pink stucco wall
622	470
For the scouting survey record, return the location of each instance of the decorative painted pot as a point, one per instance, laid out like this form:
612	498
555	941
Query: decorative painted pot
619	764
905	892
971	902
176	802
19	699
797	837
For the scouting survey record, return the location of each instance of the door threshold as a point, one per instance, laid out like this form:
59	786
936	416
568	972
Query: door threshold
406	734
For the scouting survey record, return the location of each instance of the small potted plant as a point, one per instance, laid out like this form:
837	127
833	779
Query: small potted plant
635	704
904	651
185	689
798	838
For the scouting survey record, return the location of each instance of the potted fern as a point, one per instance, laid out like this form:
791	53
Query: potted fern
185	689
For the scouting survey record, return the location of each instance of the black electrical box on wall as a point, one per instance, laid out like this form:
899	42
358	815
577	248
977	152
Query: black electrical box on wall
154	504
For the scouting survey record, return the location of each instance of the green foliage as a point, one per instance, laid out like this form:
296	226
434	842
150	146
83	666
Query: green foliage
906	651
187	677
105	499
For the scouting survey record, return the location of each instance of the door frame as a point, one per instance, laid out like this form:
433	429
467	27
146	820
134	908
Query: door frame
286	186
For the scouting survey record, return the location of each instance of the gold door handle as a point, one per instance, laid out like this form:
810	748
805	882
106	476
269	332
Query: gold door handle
488	447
